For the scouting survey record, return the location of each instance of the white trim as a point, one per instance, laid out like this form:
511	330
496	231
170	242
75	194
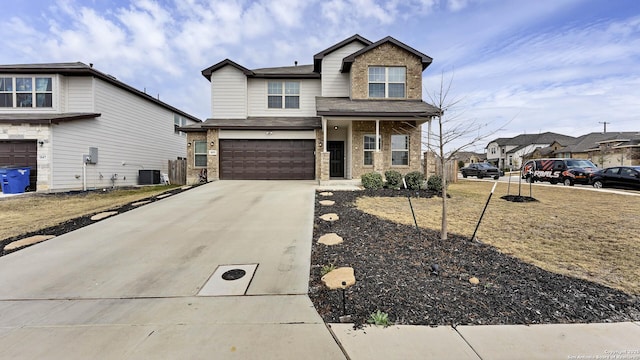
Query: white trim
268	134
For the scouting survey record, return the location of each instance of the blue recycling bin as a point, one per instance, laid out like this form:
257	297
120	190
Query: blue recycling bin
14	180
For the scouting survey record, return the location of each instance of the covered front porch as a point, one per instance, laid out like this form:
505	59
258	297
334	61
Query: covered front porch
349	148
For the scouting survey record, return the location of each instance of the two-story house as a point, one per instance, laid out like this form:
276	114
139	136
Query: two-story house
358	108
79	128
509	153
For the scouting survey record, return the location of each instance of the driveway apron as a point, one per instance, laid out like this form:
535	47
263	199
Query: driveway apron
128	287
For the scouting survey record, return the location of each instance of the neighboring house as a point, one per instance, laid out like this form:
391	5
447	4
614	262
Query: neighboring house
79	128
510	152
357	109
469	157
606	149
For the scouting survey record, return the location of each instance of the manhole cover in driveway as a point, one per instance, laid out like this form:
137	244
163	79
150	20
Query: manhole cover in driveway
234	274
229	280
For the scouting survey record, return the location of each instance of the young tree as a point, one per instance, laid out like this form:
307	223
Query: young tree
455	133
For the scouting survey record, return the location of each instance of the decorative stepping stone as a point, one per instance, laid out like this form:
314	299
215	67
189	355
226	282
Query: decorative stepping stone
140	203
186	187
474	280
327	202
326	193
27	241
330	239
334	279
163	196
103	215
329	217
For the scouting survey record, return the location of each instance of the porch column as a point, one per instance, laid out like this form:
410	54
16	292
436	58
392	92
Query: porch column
377	135
324	135
378	160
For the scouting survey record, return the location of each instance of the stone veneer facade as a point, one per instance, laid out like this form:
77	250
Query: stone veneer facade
382	160
192	171
386	54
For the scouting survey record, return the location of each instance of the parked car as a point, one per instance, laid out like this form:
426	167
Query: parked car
565	171
618	176
480	170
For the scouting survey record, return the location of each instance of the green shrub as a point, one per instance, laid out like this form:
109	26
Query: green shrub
434	183
460	164
327	269
372	180
414	180
394	179
379	318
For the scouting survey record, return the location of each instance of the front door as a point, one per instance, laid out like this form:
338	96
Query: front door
336	158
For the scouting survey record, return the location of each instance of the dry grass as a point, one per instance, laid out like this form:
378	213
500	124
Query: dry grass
586	234
32	212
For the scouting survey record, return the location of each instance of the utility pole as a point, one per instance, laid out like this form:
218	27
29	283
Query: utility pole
605	125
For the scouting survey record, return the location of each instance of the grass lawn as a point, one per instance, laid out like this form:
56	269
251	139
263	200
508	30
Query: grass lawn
586	234
32	212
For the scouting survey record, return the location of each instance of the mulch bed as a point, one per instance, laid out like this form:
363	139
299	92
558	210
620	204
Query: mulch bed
393	274
79	222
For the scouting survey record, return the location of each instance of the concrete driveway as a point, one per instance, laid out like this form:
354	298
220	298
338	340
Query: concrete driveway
128	287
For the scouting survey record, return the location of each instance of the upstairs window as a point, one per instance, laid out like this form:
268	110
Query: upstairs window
26	92
387	82
6	92
283	94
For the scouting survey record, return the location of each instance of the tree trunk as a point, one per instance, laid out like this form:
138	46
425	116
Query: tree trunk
443	229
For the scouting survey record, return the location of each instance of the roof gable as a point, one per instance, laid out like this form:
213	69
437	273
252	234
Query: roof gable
317	58
213	68
348	61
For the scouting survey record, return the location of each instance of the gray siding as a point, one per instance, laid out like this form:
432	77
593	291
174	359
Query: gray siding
228	94
309	89
131	130
79	94
335	83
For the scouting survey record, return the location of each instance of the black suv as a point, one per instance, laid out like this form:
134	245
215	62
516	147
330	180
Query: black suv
480	170
566	171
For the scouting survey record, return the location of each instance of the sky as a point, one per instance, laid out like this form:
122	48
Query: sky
512	66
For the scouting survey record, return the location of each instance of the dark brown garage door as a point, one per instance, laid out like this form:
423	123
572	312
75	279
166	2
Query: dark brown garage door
267	159
17	153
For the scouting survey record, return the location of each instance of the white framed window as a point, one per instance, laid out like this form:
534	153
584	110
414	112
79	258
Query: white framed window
387	82
26	92
283	94
369	147
200	153
399	150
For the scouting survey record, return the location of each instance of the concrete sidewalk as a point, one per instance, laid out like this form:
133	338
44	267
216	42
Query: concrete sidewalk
544	342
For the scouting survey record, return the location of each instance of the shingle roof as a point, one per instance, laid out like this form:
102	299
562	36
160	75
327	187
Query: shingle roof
298	71
338	106
81	69
528	139
590	141
40	118
286	72
259	123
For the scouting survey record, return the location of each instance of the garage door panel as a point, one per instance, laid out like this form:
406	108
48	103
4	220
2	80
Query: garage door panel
267	159
16	153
